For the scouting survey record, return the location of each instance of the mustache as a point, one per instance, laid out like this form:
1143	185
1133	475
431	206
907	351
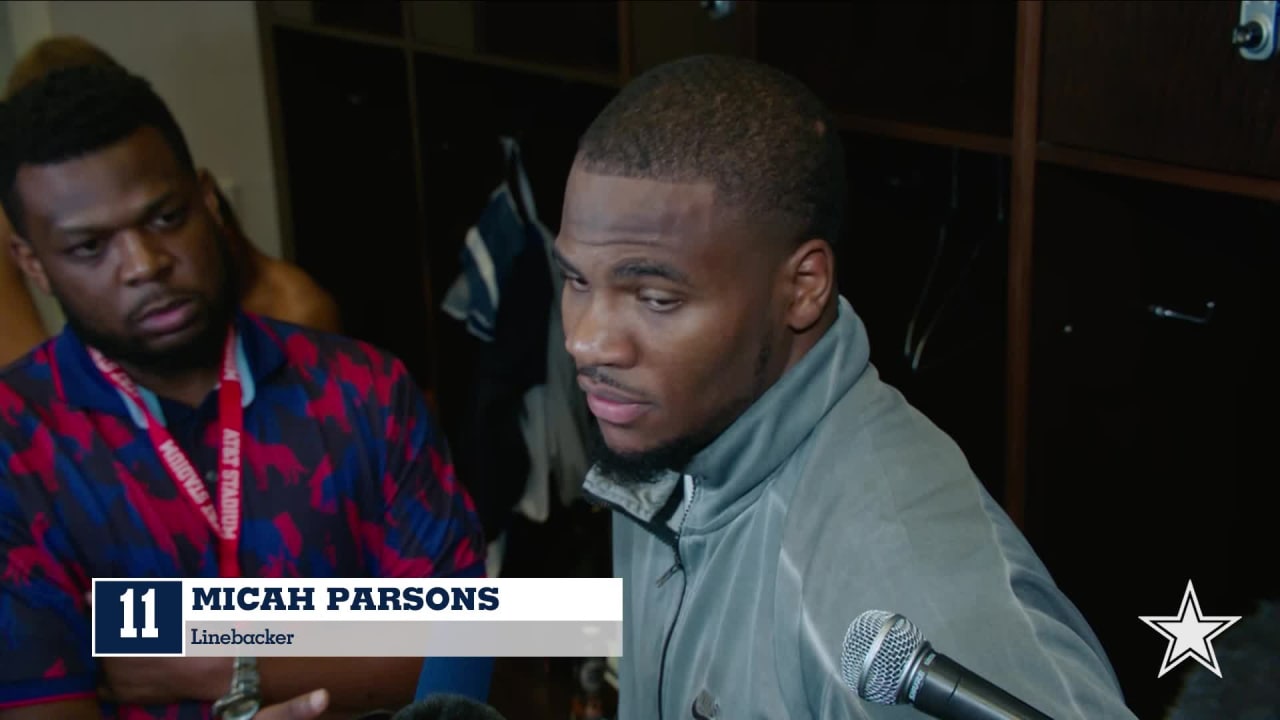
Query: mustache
595	374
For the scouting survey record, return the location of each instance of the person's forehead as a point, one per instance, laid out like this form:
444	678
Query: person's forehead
604	206
131	171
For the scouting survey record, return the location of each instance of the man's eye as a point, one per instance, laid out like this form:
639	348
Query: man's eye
89	249
574	282
660	304
170	219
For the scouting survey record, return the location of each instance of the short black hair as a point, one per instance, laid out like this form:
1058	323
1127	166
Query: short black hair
764	139
75	111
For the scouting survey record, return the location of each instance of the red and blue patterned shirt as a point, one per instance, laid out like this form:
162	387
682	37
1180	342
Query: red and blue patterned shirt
344	475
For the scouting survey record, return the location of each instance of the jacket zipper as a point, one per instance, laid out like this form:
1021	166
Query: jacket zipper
672	571
662	663
684	585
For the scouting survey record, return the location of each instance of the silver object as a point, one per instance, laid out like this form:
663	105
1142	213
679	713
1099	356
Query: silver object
1170	314
1255	36
718	9
880	651
245	696
887	661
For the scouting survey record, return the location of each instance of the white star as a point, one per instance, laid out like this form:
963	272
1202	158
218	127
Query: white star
1190	634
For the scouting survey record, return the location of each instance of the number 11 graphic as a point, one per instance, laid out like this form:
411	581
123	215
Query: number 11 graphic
127	628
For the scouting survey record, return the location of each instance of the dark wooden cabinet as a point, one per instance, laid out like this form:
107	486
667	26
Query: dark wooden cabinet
462	162
373	17
1151	398
449	24
353	205
941	64
1159	81
1152	406
923	264
663	30
568	34
462	159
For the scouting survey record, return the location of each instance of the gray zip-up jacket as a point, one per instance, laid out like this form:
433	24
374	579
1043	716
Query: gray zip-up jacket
831	495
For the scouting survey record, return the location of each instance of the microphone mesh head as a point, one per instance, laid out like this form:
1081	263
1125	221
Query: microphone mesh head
876	673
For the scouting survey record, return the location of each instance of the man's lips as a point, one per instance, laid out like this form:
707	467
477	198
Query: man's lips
167	315
611	406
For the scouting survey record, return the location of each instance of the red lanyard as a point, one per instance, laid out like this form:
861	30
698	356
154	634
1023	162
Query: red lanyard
226	525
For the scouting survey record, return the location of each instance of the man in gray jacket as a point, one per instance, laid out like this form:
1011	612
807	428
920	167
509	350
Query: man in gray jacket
767	486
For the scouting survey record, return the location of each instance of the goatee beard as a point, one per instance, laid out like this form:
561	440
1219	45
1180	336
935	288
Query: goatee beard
648	466
200	352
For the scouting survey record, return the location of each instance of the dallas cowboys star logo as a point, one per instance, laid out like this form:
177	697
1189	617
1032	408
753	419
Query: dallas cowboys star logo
1190	634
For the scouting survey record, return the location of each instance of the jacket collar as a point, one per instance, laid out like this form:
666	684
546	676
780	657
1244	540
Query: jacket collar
725	476
81	385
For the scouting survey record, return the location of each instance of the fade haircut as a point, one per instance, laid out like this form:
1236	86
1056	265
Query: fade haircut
54	53
760	136
75	111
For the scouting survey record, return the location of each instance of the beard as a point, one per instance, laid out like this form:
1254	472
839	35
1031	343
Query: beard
201	351
648	466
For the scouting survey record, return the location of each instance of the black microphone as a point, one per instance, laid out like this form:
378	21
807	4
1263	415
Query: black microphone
886	660
445	706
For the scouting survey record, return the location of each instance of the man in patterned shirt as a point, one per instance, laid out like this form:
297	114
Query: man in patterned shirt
120	438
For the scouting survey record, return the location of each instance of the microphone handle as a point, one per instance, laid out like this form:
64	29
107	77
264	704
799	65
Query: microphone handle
944	689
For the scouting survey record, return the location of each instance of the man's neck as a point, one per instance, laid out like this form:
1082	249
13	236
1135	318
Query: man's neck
189	387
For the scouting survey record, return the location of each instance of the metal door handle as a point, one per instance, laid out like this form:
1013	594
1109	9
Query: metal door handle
718	9
1170	314
1255	35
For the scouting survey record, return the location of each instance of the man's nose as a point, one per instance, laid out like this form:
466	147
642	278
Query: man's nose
595	335
144	257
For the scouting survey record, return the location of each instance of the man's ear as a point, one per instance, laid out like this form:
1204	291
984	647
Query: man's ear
811	271
20	250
